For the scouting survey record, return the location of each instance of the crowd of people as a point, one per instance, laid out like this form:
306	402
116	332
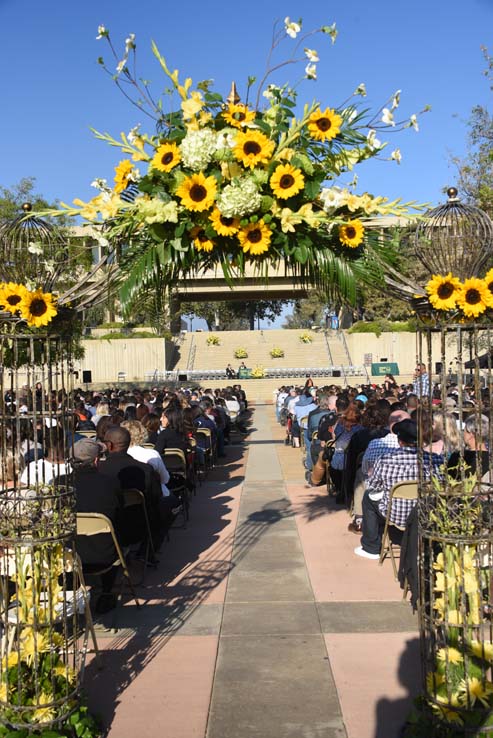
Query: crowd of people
362	441
113	441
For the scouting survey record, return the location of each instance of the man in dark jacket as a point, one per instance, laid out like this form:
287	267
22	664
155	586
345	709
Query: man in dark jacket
96	493
129	473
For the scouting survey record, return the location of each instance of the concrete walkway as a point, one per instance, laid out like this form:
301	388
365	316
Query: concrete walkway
260	621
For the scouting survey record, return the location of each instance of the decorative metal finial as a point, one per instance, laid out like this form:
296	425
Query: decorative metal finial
452	193
27	207
233	97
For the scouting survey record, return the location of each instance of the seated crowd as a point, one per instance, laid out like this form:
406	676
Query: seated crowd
118	441
362	441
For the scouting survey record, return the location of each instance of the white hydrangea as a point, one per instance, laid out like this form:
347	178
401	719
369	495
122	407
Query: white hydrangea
239	198
157	211
198	148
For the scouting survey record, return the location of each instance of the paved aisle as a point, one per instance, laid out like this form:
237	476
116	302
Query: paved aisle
253	612
273	676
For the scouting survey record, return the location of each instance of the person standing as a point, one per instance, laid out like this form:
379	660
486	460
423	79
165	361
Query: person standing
421	384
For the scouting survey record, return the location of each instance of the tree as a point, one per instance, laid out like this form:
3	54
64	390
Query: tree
308	311
234	315
475	171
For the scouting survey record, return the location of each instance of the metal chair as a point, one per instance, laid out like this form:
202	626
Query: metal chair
93	524
406	490
176	463
87	433
132	498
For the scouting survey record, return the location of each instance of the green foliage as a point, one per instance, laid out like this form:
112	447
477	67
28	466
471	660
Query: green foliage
118	335
80	724
383	326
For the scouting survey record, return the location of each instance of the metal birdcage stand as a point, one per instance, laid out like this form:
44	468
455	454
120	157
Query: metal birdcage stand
455	511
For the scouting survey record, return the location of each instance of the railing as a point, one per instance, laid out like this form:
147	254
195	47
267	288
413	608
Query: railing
191	353
329	352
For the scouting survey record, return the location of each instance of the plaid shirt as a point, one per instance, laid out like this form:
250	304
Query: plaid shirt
400	466
421	385
377	448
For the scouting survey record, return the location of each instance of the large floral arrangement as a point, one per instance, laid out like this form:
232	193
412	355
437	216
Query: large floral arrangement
306	337
258	372
222	182
241	353
35	307
276	352
213	340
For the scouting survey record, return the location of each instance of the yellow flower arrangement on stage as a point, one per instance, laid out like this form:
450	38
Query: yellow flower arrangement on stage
225	182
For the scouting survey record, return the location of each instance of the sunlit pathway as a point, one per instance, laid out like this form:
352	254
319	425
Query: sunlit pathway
260	621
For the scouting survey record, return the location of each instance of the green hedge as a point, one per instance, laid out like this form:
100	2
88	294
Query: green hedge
383	326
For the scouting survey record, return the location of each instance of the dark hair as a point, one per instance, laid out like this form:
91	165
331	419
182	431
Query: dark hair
375	416
151	422
174	415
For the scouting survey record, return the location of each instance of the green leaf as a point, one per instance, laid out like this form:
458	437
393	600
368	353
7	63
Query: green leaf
158	231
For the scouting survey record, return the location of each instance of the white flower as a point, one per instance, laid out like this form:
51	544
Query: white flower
291	27
311	55
121	65
129	43
239	198
35	248
372	141
102	32
332	197
198	148
103	242
396	100
413	121
134	133
311	71
396	155
387	117
330	31
360	90
100	184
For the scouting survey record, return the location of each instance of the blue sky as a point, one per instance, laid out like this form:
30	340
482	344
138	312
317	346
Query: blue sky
53	90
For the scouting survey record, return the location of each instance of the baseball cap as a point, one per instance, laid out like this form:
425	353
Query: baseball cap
87	449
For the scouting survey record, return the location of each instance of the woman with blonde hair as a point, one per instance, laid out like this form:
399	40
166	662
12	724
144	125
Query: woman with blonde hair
138	436
445	424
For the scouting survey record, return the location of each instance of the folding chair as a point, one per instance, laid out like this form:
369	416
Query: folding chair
208	450
132	498
93	524
407	490
87	433
176	463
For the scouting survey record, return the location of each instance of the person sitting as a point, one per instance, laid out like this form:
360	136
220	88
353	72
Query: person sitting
172	434
348	425
95	493
302	409
230	372
476	434
52	465
132	474
398	466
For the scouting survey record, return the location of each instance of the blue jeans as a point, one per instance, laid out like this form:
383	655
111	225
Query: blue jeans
373	524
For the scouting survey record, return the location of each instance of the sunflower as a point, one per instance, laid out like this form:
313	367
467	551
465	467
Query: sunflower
351	234
38	308
238	115
324	125
443	291
287	181
11	296
201	241
252	148
222	225
474	689
474	297
489	280
166	157
122	175
197	192
255	238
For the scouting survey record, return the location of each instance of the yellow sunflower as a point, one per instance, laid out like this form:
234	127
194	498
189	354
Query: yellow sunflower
287	181
166	157
238	115
201	241
252	148
122	175
474	297
222	225
197	192
11	296
489	280
255	238
38	308
351	234
443	291
324	125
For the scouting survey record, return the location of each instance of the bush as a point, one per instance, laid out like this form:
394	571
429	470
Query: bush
277	353
241	353
213	340
305	338
383	326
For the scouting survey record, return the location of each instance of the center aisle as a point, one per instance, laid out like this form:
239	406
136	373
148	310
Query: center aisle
273	677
